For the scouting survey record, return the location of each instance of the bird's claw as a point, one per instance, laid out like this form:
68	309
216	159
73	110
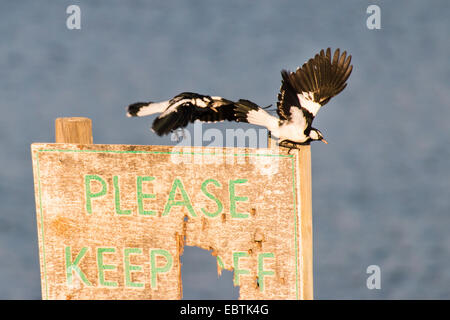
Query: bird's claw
290	145
179	134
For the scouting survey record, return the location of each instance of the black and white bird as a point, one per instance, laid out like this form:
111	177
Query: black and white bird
301	96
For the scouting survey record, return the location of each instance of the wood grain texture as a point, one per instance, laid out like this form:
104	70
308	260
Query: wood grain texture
119	247
73	130
304	174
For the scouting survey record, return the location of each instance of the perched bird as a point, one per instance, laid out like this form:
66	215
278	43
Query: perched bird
301	96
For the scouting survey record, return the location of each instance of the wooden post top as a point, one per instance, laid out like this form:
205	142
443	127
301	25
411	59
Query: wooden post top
73	130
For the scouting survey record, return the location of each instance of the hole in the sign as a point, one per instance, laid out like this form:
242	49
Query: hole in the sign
200	279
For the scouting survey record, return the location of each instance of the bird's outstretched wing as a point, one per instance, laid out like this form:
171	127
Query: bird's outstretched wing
287	97
183	109
314	84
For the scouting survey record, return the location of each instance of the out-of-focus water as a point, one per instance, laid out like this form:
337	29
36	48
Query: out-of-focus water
381	188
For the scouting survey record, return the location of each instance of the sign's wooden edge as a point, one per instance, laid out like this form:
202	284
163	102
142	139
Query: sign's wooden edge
39	146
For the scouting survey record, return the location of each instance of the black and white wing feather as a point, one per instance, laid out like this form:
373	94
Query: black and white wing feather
183	109
314	84
287	97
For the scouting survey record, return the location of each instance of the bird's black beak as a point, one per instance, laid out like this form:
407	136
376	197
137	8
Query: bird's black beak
324	141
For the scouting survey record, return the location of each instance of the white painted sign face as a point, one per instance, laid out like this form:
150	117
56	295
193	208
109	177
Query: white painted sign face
113	219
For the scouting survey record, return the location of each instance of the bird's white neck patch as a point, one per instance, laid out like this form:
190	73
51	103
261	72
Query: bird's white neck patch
314	135
307	101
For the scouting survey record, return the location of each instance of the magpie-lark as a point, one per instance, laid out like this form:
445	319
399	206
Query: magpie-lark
301	96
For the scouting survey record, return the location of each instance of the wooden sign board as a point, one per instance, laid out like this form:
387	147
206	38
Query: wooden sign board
113	219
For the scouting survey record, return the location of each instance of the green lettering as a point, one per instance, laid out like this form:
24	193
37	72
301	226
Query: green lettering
73	266
210	196
89	194
117	197
237	271
261	272
102	267
220	263
234	199
177	184
130	268
154	269
141	196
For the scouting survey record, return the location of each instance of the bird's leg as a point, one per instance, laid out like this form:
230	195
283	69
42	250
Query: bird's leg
291	145
179	137
288	144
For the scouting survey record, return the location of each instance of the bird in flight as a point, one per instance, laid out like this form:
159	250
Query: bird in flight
301	96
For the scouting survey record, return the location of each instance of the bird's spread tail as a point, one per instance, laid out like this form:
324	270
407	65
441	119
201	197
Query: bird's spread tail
247	111
243	108
141	109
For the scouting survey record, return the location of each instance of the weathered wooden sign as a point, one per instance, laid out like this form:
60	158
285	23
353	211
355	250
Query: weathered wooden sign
113	219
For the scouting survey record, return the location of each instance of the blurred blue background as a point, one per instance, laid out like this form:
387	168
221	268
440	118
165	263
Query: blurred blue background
381	188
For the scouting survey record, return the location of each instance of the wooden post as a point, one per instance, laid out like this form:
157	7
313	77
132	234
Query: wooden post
306	241
304	173
73	130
